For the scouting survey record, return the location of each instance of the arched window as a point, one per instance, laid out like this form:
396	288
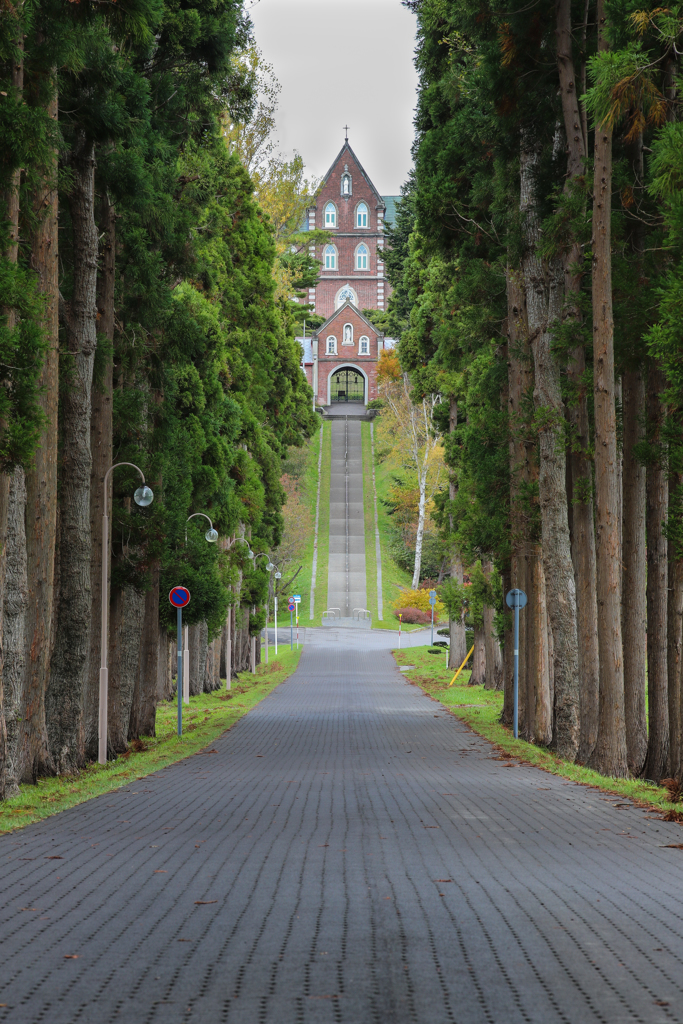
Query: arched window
362	216
331	346
330	216
330	257
362	257
345	294
364	346
348	334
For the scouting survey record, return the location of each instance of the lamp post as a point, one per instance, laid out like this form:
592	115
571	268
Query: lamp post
269	568
212	536
143	496
278	576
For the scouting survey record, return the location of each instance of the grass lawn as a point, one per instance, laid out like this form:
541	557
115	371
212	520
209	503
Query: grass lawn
481	710
392	576
204	719
309	491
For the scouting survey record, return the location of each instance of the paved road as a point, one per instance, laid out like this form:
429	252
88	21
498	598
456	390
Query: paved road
349	854
346	565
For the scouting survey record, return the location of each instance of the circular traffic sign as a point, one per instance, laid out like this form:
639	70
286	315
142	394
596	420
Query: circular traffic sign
179	597
291	606
515	599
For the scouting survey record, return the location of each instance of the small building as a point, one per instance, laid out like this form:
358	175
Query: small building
340	359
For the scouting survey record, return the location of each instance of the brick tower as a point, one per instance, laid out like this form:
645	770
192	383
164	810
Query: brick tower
352	210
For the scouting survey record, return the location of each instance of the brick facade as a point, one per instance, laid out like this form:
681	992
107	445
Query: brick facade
348	352
370	290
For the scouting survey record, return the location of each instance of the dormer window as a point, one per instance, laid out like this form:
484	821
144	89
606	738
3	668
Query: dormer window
330	257
346	184
330	216
364	346
331	346
362	257
361	216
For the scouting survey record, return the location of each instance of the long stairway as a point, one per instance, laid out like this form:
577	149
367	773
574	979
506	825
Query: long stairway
346	590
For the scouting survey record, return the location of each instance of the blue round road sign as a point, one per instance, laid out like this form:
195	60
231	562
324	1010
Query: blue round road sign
179	597
291	606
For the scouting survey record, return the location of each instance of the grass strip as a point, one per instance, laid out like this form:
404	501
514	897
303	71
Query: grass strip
204	720
393	577
481	710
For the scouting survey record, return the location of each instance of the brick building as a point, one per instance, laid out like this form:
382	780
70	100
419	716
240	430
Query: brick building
340	359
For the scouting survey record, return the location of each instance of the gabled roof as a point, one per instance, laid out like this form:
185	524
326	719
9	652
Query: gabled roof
348	304
336	160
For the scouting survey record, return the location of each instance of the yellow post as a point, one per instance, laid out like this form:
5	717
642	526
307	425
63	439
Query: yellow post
462	666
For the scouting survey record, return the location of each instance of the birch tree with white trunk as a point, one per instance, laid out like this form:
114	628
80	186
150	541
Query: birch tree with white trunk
420	444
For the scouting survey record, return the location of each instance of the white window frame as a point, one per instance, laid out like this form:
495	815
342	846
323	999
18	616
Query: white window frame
333	212
330	255
364	346
362	255
364	214
331	345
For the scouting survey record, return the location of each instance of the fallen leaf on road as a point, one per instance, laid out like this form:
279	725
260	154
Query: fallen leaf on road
443	879
203	902
71	956
54	857
160	871
673	846
320	845
29	908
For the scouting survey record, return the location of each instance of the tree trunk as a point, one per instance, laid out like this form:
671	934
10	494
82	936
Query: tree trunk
634	575
7	535
609	754
675	659
41	485
125	635
143	712
543	295
494	658
520	381
657	489
456	627
101	428
539	695
69	675
478	676
583	557
14	629
419	535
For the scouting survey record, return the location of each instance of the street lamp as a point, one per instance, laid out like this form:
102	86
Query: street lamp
211	536
269	567
143	496
278	576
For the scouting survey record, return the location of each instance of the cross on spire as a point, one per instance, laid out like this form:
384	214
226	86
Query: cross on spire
346	129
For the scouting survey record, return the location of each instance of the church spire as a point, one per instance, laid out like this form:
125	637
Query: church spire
346	130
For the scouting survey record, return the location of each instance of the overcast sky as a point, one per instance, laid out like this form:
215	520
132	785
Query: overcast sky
343	62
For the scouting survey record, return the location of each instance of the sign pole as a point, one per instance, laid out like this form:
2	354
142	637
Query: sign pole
516	599
186	667
400	619
179	597
291	628
180	671
276	625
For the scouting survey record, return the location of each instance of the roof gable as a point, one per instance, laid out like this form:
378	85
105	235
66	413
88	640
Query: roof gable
338	313
346	148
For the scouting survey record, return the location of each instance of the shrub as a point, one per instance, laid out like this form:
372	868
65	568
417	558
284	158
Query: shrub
418	599
414	616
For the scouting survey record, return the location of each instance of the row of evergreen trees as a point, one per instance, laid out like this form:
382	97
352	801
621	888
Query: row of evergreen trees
538	275
139	324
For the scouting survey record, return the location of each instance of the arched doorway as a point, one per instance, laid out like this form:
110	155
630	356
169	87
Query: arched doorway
347	385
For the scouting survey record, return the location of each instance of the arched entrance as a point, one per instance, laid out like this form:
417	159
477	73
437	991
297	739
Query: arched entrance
347	385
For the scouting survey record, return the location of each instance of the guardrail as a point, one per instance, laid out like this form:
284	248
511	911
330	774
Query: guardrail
332	613
361	613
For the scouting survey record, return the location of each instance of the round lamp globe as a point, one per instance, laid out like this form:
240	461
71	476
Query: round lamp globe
144	496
